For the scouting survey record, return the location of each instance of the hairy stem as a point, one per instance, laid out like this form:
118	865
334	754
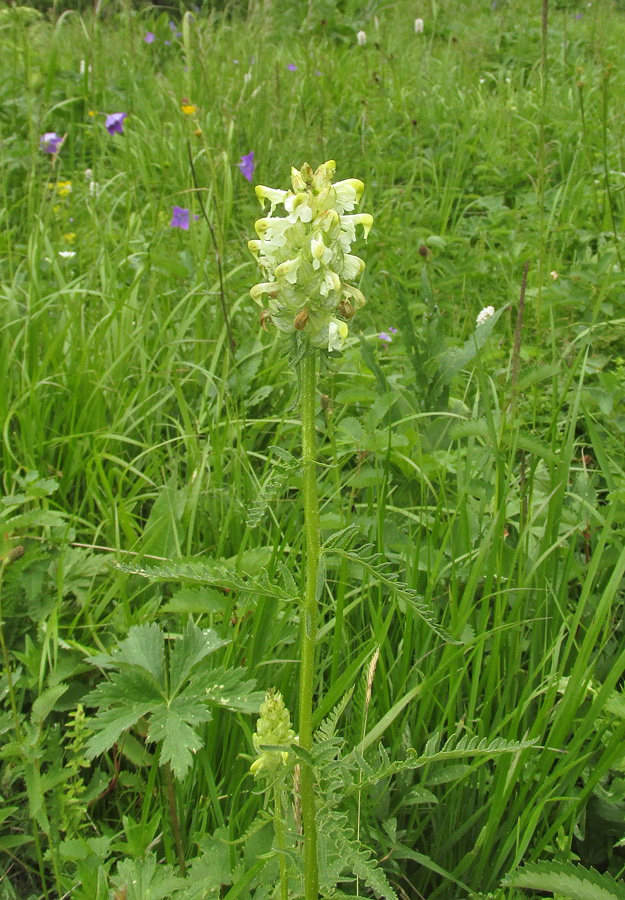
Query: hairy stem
309	619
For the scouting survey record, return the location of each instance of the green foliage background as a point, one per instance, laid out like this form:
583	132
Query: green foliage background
488	471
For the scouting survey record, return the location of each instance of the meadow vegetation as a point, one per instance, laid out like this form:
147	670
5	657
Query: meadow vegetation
469	717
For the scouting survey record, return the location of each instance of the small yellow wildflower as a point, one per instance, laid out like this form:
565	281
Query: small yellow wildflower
64	188
56	209
70	237
189	109
91	112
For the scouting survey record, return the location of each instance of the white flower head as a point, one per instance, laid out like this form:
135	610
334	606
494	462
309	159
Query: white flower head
67	254
361	37
485	314
418	26
305	256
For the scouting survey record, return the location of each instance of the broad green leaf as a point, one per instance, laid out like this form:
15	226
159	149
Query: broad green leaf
173	725
144	647
225	687
145	879
45	702
111	724
187	652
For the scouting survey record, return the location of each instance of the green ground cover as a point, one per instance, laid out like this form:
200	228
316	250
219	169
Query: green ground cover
147	417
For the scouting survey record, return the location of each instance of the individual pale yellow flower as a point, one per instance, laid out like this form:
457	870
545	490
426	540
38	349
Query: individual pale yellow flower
56	209
64	188
188	108
70	237
91	112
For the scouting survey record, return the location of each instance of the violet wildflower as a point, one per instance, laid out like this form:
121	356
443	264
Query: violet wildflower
172	26
292	67
247	166
149	37
385	336
180	218
115	123
50	142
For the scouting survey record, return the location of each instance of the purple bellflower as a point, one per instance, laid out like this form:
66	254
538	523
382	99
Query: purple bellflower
180	218
149	37
115	123
247	166
292	67
50	142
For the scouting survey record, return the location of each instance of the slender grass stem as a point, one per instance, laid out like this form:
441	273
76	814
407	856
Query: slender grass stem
175	823
308	378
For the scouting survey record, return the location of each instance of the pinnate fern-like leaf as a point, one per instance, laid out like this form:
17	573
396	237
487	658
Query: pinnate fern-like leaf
336	831
461	749
327	729
219	576
381	570
282	469
568	880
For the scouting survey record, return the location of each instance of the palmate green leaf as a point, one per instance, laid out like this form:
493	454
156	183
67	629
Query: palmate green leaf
147	879
111	723
379	568
568	880
187	652
225	687
143	648
174	726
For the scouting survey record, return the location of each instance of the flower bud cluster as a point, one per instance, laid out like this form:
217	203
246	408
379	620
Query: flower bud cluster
273	728
305	256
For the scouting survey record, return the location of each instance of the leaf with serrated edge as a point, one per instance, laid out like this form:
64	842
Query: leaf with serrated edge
187	652
569	880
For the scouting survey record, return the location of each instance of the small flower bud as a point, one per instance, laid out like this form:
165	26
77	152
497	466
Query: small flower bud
418	26
301	320
361	37
14	554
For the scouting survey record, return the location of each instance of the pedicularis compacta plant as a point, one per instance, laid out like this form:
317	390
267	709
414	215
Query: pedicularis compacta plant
305	257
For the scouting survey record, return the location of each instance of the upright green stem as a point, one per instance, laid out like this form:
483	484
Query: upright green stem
308	376
277	821
175	824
